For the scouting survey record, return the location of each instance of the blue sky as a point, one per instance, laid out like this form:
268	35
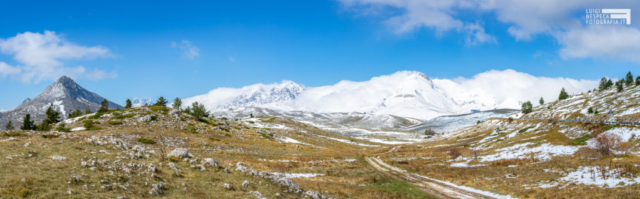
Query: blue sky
142	48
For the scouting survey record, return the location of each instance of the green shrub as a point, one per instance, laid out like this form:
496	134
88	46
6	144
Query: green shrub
13	134
580	141
50	136
146	141
61	128
115	122
119	117
89	125
159	108
610	126
525	129
191	129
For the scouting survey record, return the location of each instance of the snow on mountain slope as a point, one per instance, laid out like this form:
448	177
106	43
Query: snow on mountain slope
419	97
138	102
404	94
408	94
254	95
65	95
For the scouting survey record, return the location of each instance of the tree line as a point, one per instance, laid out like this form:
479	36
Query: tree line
197	110
604	84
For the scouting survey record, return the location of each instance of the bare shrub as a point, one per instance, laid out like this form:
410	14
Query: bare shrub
454	153
606	143
475	152
588	153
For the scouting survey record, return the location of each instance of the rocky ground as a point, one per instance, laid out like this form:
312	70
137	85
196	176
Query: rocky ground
157	152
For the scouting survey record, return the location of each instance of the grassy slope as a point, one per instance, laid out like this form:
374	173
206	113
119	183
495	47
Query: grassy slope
523	178
32	173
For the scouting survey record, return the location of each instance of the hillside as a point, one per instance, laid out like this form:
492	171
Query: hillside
156	152
557	154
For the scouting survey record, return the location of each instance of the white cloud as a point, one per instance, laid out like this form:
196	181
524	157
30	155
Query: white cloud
6	69
561	19
609	42
189	51
509	86
415	14
40	56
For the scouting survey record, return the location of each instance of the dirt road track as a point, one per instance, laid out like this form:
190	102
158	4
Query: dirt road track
436	187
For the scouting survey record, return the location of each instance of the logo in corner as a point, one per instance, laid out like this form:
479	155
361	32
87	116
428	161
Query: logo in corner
608	16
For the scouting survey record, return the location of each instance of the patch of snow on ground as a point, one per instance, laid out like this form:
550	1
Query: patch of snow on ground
349	142
298	175
591	175
625	133
289	140
78	129
543	152
465	164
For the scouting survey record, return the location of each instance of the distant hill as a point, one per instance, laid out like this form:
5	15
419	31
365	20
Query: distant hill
65	95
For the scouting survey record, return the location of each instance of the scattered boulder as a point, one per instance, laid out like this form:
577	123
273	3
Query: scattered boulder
245	184
180	153
257	194
56	157
314	195
152	168
156	189
210	162
146	118
459	158
226	186
175	113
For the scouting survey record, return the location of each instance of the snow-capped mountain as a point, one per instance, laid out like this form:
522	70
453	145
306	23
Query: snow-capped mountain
267	95
419	97
65	95
405	94
138	102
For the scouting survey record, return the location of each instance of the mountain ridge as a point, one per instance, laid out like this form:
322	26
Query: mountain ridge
64	94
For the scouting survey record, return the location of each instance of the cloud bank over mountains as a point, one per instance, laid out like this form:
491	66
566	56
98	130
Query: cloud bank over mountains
404	93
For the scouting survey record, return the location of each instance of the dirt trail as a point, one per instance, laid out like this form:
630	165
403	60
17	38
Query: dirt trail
436	187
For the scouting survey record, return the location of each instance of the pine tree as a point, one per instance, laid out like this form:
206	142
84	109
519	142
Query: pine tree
87	111
27	123
177	103
76	113
541	101
53	116
619	85
161	102
609	84
563	95
527	107
128	104
638	81
198	111
104	106
9	126
629	79
603	84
